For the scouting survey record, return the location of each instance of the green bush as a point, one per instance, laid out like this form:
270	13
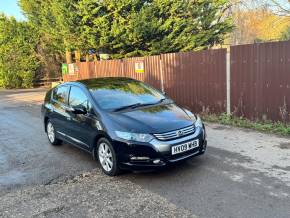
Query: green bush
27	79
18	59
11	80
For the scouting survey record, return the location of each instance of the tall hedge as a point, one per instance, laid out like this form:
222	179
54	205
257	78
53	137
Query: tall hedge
18	59
127	28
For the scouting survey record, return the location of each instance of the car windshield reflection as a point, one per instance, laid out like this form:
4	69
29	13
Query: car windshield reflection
125	94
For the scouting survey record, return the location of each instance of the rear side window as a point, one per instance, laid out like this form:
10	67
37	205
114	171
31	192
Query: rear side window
78	98
60	94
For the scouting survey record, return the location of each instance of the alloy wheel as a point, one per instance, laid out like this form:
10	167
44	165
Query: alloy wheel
50	132
105	157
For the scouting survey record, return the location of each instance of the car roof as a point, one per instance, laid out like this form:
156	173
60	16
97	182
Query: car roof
101	81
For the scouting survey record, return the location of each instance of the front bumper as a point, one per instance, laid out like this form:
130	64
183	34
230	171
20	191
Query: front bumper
157	154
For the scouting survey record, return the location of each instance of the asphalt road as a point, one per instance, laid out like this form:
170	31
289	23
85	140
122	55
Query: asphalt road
243	174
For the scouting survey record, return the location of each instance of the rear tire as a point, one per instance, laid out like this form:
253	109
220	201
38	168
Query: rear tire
107	157
50	130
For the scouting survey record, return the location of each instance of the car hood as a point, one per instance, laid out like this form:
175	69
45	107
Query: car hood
153	119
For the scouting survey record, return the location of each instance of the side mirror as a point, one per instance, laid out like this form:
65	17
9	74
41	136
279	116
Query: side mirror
79	110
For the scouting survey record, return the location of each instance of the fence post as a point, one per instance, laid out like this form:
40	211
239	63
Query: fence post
228	69
68	57
161	74
122	69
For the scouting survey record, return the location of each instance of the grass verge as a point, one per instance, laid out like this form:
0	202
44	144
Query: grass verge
263	126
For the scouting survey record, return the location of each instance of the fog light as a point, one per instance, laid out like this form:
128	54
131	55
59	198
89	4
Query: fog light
140	158
156	161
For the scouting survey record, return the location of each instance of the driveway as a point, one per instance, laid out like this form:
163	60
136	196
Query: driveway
243	174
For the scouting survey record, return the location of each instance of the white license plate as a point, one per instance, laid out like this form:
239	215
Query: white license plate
184	147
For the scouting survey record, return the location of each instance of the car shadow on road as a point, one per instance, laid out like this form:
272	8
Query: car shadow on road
167	173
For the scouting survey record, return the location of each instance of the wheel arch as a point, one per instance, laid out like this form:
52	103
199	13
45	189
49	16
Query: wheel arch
100	135
45	123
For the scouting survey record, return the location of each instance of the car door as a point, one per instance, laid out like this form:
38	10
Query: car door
59	115
81	126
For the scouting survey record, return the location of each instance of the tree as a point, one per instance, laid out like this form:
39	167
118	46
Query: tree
257	20
55	20
127	28
286	34
58	31
281	7
18	60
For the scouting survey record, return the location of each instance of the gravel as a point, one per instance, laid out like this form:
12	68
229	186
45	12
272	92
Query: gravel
88	195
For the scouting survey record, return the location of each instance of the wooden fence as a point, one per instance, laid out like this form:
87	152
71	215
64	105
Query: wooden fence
256	81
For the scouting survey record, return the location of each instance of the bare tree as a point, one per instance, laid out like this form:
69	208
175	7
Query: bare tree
257	20
281	7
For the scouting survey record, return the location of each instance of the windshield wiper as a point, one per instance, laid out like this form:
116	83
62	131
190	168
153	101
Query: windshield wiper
157	102
161	100
139	105
129	106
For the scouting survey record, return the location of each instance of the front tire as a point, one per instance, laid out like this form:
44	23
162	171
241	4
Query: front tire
50	130
107	157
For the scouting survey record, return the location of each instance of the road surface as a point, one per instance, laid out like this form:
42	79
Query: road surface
243	174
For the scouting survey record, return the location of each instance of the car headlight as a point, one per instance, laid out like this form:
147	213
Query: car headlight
191	115
198	122
139	137
196	119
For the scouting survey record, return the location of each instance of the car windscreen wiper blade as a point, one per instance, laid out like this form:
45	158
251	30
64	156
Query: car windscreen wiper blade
129	106
139	105
157	102
153	103
161	100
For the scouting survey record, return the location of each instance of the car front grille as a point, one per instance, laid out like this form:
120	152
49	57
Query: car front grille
175	133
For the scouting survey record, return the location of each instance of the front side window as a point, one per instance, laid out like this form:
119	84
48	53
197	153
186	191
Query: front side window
60	94
116	94
77	98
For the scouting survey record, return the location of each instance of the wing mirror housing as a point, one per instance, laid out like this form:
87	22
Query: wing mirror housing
77	110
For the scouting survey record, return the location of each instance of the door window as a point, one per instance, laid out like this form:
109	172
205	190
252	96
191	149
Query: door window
78	98
60	94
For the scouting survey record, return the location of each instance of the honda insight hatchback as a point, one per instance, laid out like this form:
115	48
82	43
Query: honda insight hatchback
123	123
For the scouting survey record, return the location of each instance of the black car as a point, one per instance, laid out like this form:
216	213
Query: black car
123	123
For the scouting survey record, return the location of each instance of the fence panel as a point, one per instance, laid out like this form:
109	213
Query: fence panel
197	79
129	68
85	70
260	81
151	73
109	68
114	68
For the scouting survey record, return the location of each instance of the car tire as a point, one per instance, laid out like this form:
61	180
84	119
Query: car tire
107	157
50	130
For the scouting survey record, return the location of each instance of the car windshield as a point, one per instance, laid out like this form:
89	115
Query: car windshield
119	94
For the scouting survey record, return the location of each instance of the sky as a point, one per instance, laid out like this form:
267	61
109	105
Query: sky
10	7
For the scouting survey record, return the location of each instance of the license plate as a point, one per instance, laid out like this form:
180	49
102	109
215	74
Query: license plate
177	149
